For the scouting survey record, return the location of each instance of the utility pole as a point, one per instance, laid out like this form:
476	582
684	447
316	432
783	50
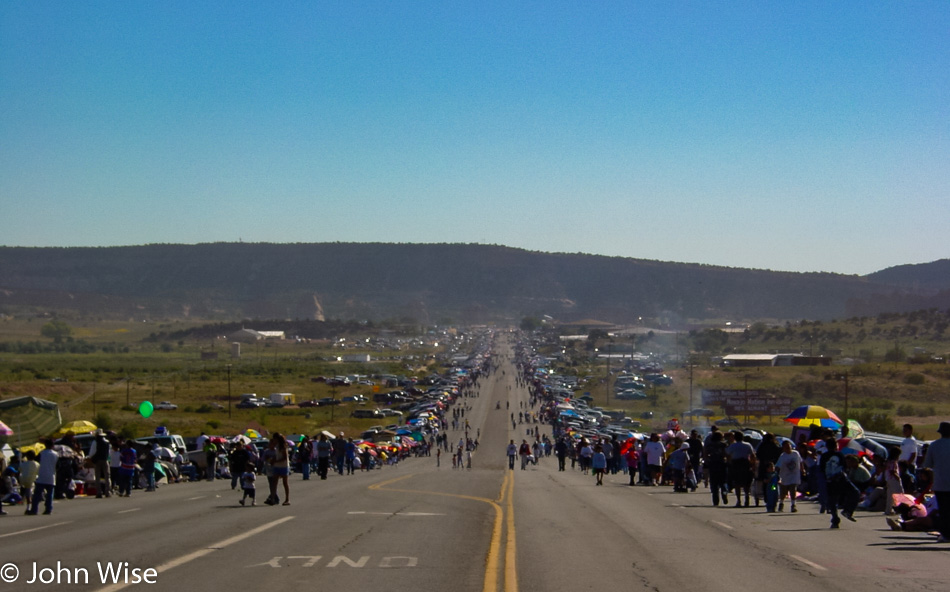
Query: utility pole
747	399
229	391
692	417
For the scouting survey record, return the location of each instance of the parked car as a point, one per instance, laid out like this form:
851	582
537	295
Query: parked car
391	413
249	403
659	379
166	405
359	399
310	403
325	401
366	413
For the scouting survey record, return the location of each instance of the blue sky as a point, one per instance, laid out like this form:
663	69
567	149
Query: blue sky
801	136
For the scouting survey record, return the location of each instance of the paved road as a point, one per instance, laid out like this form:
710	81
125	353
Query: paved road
422	527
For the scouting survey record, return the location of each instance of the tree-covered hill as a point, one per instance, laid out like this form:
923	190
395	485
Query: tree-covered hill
426	282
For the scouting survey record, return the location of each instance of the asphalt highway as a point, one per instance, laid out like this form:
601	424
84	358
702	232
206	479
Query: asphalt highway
419	526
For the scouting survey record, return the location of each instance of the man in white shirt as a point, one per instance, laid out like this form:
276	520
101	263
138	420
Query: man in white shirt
45	479
654	451
909	447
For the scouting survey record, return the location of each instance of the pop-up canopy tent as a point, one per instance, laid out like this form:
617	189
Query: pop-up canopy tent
29	418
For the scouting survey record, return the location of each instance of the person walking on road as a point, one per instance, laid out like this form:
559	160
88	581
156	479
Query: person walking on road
282	465
324	450
741	466
512	453
524	451
560	449
599	464
938	459
789	474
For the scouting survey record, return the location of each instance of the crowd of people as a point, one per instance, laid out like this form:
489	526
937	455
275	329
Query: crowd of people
907	485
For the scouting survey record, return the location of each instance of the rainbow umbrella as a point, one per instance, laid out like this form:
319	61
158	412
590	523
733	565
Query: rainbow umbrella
814	415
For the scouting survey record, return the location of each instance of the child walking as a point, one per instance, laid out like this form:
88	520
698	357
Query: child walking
770	479
247	485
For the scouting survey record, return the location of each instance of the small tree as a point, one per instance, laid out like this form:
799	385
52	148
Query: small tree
56	330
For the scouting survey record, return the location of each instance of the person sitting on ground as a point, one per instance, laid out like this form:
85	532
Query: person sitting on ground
922	514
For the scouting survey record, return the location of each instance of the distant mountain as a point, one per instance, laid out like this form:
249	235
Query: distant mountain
933	276
424	282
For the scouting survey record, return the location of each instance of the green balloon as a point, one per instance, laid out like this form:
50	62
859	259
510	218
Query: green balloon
146	408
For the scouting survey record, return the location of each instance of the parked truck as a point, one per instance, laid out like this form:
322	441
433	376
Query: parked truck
282	398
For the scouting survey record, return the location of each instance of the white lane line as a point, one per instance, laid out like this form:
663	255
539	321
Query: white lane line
10	534
723	524
191	499
808	563
202	552
127	511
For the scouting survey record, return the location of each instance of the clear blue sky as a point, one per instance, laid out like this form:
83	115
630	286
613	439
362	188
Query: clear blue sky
802	136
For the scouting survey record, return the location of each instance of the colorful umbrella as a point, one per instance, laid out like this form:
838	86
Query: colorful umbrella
252	434
5	430
813	415
852	446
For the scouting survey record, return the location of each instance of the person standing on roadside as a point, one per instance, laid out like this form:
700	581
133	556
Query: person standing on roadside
127	459
714	459
45	479
211	456
304	453
938	459
512	453
29	469
339	452
909	448
99	454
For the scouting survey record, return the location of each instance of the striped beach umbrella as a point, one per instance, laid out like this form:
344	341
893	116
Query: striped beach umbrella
30	418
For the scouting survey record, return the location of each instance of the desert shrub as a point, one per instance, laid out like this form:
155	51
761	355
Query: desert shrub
103	421
875	422
914	378
906	410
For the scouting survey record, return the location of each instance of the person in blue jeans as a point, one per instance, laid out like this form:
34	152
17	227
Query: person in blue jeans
45	480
